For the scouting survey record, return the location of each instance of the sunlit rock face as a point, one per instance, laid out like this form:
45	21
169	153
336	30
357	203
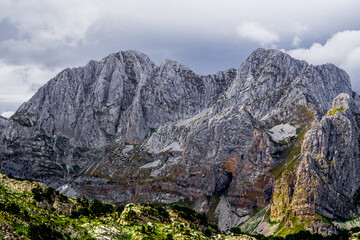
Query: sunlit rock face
276	134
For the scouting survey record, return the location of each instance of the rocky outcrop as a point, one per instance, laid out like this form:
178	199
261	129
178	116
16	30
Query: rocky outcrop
270	84
325	180
173	93
66	126
121	96
125	130
85	104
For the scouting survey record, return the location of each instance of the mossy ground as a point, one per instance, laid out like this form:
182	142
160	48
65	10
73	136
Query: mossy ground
334	110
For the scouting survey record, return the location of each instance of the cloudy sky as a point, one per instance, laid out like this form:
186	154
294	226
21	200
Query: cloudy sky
38	38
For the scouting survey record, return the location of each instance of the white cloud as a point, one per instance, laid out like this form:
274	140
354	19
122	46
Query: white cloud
42	21
44	25
7	114
42	35
298	28
296	41
19	83
342	49
256	32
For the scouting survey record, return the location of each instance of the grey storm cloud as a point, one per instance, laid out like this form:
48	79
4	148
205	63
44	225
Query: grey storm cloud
40	37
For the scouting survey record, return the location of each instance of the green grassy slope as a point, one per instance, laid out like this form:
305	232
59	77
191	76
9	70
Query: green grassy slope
31	210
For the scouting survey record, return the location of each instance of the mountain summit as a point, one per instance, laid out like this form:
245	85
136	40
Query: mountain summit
269	147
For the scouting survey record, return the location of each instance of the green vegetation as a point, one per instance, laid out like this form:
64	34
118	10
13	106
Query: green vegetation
292	154
256	217
297	225
306	235
43	232
189	214
235	230
284	175
48	194
30	210
334	110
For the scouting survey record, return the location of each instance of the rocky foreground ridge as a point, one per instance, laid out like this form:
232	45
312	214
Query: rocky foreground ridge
31	210
272	147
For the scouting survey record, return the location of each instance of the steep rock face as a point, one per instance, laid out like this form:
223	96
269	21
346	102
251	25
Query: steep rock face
191	160
271	83
27	152
223	149
173	92
124	130
326	179
85	104
231	147
64	128
122	95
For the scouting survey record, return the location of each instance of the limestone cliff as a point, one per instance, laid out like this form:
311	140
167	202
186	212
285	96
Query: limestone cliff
277	134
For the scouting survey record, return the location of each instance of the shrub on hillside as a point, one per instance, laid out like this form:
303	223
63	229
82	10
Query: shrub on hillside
48	194
130	215
235	230
80	212
119	209
83	201
189	214
97	208
44	232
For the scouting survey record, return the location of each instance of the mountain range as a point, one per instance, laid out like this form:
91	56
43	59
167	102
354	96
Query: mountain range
272	147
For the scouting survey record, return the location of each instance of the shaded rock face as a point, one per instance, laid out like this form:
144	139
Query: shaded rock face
125	130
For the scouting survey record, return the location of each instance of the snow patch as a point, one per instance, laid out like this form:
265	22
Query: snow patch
198	116
281	132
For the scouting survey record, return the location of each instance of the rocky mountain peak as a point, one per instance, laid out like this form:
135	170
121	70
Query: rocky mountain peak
171	64
277	134
132	56
270	83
